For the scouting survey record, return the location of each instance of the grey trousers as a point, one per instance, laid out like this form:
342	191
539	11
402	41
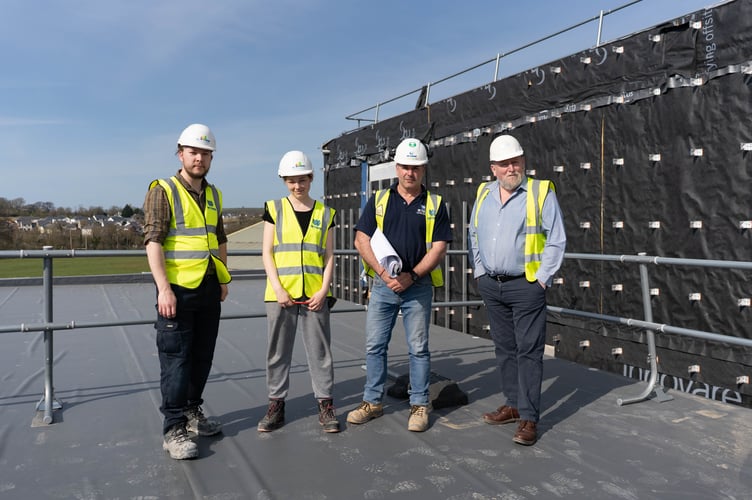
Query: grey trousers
284	324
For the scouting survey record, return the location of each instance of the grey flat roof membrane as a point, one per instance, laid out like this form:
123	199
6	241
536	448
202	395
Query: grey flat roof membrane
105	442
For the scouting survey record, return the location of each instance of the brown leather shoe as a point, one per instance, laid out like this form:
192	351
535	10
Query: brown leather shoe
526	433
503	415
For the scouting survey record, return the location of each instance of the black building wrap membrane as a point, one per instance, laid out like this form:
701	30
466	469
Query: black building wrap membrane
648	140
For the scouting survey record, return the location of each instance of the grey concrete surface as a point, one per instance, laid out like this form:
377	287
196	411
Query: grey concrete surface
249	238
105	442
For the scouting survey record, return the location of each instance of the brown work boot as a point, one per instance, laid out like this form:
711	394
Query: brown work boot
503	415
526	433
327	417
274	418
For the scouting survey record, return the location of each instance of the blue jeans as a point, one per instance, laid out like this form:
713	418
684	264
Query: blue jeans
383	309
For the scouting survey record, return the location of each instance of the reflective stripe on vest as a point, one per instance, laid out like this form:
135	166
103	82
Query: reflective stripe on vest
192	238
433	201
299	258
535	240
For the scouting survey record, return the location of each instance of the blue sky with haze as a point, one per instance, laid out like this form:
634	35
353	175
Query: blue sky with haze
94	93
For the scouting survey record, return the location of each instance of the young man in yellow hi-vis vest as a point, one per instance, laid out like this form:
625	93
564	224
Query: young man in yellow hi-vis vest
187	251
298	254
517	243
415	223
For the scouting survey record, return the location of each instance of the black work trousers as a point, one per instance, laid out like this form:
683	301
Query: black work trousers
186	348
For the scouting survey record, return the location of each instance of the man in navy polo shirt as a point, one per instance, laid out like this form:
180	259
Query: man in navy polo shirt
416	224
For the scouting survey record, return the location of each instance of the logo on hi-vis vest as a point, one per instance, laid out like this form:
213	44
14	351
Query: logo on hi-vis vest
316	223
380	211
422	211
210	205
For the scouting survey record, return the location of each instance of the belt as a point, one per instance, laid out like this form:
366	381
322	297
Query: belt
505	277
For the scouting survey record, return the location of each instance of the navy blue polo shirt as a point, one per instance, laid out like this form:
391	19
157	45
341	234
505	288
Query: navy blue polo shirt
405	225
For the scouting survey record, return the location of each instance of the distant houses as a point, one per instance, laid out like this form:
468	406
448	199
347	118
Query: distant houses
94	232
75	222
86	224
26	223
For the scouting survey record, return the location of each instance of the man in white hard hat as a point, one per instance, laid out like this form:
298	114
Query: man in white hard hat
416	223
514	262
187	251
298	295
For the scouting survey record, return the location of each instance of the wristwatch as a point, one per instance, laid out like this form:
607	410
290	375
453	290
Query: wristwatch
414	276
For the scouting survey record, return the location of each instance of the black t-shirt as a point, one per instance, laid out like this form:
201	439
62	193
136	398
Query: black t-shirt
304	218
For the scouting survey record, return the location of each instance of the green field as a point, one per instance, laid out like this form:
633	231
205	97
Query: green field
73	266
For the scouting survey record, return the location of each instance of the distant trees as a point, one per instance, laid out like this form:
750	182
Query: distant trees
6	233
11	207
64	237
85	234
18	207
61	235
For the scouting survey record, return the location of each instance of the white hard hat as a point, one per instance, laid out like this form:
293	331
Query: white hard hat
505	147
411	152
198	136
294	163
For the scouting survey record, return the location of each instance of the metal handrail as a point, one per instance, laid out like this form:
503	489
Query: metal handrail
497	59
49	403
625	258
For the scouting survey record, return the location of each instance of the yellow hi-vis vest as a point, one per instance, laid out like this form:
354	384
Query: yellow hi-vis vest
192	238
535	240
299	258
432	207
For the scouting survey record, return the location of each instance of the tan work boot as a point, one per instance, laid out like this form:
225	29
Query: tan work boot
418	421
365	412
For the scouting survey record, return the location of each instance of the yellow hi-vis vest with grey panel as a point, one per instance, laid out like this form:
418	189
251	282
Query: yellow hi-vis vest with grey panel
535	240
299	258
192	238
433	201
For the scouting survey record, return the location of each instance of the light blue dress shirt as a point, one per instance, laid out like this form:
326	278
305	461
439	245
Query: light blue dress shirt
497	246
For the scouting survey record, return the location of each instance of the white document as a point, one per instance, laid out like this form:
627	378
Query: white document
385	253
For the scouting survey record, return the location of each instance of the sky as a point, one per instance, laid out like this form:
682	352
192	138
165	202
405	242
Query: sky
94	93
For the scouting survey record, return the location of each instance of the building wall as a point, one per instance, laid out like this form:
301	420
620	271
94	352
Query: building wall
649	142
